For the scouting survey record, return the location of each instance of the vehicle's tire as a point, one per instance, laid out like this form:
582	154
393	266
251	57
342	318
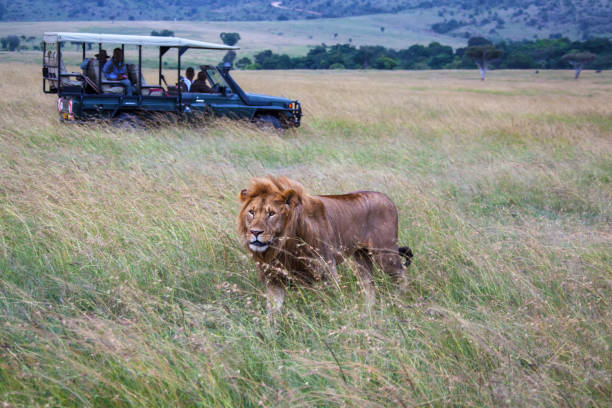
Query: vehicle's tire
128	121
269	122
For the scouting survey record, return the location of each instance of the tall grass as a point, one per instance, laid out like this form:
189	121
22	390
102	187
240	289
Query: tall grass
122	282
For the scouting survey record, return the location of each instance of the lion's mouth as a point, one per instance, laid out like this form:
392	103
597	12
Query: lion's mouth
258	246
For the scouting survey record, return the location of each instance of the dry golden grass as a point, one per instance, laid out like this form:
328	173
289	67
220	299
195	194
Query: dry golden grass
122	282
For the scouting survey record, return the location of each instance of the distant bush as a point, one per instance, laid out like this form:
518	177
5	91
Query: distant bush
162	33
446	26
243	62
13	42
10	42
474	41
519	60
385	62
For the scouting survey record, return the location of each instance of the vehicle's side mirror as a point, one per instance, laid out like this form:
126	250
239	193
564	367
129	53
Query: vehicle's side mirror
227	66
223	90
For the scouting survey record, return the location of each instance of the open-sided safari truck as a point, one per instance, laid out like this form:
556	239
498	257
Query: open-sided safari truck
88	94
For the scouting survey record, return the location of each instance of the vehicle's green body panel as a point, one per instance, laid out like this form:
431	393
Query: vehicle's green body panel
230	104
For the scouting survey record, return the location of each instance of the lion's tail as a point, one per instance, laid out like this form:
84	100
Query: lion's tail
406	253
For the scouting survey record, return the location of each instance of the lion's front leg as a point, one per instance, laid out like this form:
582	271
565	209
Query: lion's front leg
275	287
332	273
275	294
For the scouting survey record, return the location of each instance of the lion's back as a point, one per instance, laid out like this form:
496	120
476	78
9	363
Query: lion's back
362	218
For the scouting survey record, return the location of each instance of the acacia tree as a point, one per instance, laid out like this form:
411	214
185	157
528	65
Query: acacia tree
578	60
243	62
230	56
483	55
229	39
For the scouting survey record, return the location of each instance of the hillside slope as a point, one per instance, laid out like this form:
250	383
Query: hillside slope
507	18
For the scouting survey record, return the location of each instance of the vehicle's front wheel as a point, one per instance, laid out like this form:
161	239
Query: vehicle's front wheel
268	122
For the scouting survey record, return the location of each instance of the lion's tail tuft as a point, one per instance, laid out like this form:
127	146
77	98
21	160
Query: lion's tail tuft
406	253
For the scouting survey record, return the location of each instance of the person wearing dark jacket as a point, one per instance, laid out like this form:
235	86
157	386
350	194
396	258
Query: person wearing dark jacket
200	85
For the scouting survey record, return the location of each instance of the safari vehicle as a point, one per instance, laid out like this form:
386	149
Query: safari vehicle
87	94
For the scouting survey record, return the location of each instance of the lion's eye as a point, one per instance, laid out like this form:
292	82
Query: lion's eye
251	213
271	213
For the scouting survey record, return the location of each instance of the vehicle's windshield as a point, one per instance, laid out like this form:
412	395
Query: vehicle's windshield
215	78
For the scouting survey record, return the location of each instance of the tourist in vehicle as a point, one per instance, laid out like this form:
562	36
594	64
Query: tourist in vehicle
200	85
188	80
102	57
116	70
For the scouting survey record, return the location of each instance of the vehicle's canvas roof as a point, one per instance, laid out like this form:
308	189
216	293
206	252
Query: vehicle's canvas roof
134	40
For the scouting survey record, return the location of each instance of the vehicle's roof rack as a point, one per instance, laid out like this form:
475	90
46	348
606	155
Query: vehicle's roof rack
54	37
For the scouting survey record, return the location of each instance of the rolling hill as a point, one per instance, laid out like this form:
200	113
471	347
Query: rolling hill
511	19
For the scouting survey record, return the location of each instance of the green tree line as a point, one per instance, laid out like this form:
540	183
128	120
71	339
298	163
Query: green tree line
537	54
16	43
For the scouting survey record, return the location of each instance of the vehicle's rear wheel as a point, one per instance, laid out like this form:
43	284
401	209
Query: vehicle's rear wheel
128	121
268	122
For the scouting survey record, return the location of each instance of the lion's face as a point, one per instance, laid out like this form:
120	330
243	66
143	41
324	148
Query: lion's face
263	220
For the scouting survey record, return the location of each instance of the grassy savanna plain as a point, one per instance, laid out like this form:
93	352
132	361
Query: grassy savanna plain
292	37
123	283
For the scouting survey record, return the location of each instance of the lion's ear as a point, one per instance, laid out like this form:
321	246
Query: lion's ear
291	197
243	195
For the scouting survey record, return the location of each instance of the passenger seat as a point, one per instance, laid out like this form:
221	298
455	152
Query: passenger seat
51	63
145	91
92	74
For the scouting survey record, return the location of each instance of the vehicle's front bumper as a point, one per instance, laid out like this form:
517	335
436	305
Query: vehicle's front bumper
296	113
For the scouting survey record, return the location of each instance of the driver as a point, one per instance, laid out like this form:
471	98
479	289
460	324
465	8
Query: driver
199	85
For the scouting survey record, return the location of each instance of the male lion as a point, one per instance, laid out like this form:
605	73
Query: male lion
295	237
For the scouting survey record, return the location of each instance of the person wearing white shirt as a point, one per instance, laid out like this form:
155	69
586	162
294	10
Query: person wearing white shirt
188	80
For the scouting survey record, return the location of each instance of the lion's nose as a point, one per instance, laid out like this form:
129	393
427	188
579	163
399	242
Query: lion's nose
256	232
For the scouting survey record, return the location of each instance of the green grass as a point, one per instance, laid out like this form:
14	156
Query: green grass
123	282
